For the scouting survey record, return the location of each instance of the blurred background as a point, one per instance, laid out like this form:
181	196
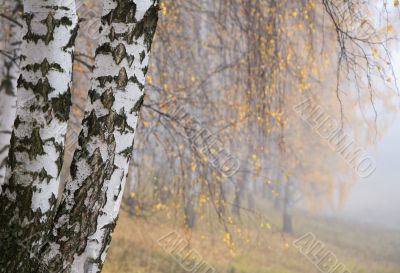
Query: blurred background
229	152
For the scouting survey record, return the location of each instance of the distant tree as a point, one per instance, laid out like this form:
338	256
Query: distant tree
9	57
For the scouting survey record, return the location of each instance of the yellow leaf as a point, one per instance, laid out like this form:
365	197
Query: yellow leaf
164	107
149	79
396	3
286	247
163	8
389	28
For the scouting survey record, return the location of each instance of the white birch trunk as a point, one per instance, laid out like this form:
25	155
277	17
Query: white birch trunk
90	205
36	149
8	79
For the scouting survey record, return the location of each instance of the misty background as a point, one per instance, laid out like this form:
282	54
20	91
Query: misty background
376	199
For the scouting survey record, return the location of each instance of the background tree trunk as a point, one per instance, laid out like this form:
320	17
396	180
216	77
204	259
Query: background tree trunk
36	148
8	78
90	204
287	226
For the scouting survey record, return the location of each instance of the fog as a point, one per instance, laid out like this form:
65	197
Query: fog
376	199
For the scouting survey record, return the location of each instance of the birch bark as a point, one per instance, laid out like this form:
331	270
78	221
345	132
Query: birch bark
31	182
89	208
8	78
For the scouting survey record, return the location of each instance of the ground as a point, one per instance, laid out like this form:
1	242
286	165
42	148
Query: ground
258	248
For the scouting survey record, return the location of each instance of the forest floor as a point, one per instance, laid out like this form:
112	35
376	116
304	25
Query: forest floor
258	248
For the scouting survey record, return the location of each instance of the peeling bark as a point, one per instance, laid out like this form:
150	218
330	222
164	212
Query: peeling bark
89	208
31	183
8	80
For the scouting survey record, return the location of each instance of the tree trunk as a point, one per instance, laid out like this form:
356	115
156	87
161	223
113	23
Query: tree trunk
36	148
240	191
89	208
8	79
287	226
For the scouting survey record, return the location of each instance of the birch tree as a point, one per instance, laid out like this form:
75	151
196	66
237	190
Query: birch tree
89	208
9	58
36	147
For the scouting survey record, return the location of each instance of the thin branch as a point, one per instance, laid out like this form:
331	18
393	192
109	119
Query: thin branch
11	19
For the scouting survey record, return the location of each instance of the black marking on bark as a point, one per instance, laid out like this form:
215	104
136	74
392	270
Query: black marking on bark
57	7
60	149
43	175
93	95
36	144
146	27
12	161
119	53
62	105
50	24
107	99
142	56
123	13
112	34
71	41
144	69
138	105
127	153
122	79
44	67
42	87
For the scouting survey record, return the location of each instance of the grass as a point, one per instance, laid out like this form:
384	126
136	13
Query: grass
362	249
